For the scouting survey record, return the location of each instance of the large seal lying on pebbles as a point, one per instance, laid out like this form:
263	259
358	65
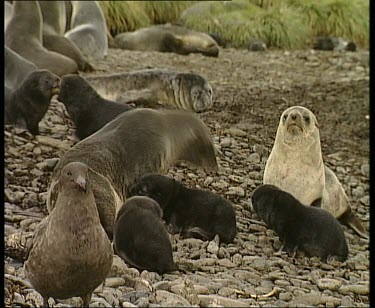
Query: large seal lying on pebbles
71	254
28	104
54	23
308	228
182	90
140	237
136	142
24	36
16	68
194	212
88	29
296	166
87	109
168	38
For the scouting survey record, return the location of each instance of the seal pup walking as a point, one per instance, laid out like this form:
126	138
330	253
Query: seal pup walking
54	24
28	104
87	109
24	36
296	166
182	90
71	254
308	228
136	142
88	29
193	211
168	38
140	237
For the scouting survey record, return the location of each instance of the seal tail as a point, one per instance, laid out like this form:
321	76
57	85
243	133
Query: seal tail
349	219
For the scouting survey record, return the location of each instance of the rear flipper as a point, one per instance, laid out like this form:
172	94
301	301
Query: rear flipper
349	219
198	233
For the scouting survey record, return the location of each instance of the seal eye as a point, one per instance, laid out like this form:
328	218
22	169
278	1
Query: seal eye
69	173
285	117
307	119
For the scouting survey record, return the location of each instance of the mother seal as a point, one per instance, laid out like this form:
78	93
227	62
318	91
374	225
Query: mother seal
295	165
136	142
156	86
24	36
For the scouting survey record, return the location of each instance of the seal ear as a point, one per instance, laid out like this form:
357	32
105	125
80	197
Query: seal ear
316	123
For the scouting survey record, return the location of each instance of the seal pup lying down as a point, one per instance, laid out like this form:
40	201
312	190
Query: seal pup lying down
136	142
308	228
179	90
140	237
27	105
168	38
194	212
87	109
296	166
71	254
24	36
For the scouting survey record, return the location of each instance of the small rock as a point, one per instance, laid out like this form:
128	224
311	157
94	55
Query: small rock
212	247
225	142
114	282
328	284
356	289
206	300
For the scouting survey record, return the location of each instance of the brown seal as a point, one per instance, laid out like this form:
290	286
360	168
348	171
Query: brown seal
168	38
313	230
71	254
140	236
136	142
156	86
24	36
296	166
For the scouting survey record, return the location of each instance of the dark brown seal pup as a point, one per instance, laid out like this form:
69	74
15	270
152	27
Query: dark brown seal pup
308	228
333	44
28	104
296	166
87	109
140	237
136	142
193	211
54	24
24	36
71	253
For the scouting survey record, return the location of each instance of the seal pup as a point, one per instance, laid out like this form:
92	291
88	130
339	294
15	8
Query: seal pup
296	166
136	142
168	38
257	45
308	228
88	29
16	68
194	212
333	44
54	24
28	104
166	87
140	237
87	109
24	36
71	254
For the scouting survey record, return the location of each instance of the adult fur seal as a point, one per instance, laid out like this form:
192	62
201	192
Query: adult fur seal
136	142
168	38
88	29
71	254
182	90
16	69
87	109
140	237
311	229
296	166
24	36
192	211
54	23
28	104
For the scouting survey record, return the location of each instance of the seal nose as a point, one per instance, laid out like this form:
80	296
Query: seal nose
294	116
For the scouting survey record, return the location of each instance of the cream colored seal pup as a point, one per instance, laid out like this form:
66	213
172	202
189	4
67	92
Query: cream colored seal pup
296	166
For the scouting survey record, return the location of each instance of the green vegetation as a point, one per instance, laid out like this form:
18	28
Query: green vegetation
288	24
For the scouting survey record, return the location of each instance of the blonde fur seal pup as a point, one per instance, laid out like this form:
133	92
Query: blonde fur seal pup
54	23
296	166
168	38
159	86
71	254
24	36
88	29
136	142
